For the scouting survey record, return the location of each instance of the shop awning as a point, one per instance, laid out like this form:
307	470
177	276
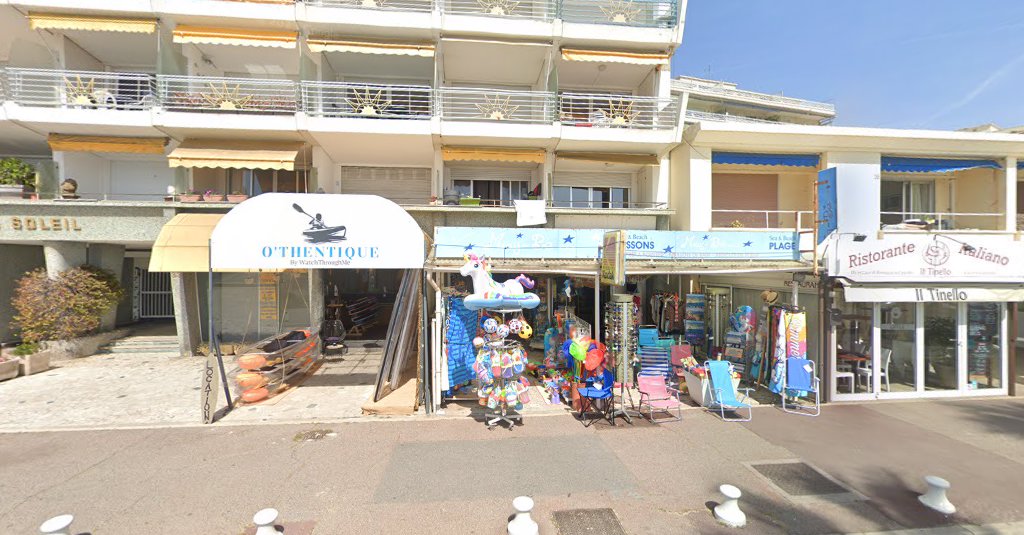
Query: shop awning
234	36
133	145
184	244
607	56
932	293
50	21
455	154
610	157
749	158
892	164
231	154
369	47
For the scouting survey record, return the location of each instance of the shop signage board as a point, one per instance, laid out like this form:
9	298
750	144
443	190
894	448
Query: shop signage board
827	217
931	294
613	258
317	231
929	257
79	222
585	244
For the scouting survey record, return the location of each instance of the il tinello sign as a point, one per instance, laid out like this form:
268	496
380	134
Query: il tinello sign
316	231
929	257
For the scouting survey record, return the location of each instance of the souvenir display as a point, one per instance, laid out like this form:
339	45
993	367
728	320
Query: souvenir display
694	323
487	294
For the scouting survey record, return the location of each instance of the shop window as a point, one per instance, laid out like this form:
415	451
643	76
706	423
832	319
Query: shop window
898	331
984	345
907	199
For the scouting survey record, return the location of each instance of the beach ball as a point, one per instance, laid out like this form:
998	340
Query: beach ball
490	325
515	326
503	330
478	342
526	332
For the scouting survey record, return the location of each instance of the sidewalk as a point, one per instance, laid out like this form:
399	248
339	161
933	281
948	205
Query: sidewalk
453	476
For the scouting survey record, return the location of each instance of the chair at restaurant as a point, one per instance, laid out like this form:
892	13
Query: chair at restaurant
723	393
656	395
866	370
598	393
801	379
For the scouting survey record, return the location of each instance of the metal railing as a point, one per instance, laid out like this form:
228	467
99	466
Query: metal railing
596	110
641	13
390	5
608	205
692	115
512	9
940	220
762	219
227	95
753	96
532	107
371	101
80	89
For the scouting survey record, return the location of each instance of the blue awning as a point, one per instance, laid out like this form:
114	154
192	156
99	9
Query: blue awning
749	158
891	164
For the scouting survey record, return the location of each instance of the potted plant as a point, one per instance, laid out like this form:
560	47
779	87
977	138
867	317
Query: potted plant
212	195
17	178
9	367
32	359
190	196
237	196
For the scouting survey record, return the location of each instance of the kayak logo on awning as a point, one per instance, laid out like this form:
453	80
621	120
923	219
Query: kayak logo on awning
320	232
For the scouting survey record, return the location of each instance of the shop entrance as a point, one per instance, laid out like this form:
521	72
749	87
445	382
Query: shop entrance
361	300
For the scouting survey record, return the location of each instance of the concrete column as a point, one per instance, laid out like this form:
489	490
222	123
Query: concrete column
1010	189
109	257
690	194
316	298
662	177
184	293
63	255
547	172
858	191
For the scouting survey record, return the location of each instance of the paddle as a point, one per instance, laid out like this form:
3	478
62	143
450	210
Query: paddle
301	211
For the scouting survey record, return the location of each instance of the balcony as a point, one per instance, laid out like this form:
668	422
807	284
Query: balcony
424	6
697	116
227	95
495	105
597	111
633	13
725	92
944	221
82	90
543	10
799	220
366	101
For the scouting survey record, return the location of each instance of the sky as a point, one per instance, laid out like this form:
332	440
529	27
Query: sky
934	64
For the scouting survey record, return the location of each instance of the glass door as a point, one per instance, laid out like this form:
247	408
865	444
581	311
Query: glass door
941	355
984	345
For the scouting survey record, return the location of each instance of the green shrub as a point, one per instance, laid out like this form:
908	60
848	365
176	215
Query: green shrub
26	349
14	172
66	306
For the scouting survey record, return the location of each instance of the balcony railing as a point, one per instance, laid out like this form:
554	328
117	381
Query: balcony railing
228	95
692	115
80	89
389	5
510	9
596	110
762	219
942	220
731	93
643	13
369	101
529	107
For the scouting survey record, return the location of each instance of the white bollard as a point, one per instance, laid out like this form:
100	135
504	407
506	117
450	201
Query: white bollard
58	525
936	498
522	524
728	512
264	520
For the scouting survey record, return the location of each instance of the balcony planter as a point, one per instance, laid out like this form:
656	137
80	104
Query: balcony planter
213	197
469	201
190	197
237	197
35	363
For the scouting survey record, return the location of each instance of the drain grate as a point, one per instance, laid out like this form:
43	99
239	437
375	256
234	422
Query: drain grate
799	479
587	522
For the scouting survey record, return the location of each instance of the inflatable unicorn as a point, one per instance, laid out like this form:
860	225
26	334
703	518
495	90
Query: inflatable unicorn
510	294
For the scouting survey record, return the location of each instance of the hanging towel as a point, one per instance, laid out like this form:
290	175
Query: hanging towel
459	335
530	213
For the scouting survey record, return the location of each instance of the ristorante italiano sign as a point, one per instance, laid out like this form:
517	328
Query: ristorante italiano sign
929	257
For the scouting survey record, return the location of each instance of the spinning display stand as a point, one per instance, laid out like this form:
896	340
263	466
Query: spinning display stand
621	320
499	365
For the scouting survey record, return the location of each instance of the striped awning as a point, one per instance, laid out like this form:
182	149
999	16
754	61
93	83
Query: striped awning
50	21
454	154
234	154
234	36
894	164
610	157
608	56
133	145
752	158
317	44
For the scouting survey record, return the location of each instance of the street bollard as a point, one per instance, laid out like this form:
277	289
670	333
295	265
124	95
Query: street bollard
728	512
936	498
58	525
521	523
264	520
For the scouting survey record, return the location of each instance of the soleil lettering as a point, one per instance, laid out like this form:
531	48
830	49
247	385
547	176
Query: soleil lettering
51	224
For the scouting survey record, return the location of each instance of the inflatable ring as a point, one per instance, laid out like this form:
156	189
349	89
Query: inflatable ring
250	380
254	395
252	362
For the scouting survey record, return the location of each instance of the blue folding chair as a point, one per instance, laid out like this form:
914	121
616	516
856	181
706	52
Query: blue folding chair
649	337
723	395
590	394
801	381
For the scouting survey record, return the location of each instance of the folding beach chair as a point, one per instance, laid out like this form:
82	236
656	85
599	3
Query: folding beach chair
591	394
658	396
723	395
801	381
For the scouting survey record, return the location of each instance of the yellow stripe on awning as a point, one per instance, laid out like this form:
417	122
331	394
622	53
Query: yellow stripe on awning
232	154
369	47
610	157
50	21
607	56
134	145
184	244
454	154
234	36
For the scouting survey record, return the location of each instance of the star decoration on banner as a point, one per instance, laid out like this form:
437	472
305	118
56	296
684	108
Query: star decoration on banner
567	239
748	244
469	247
520	235
668	249
706	236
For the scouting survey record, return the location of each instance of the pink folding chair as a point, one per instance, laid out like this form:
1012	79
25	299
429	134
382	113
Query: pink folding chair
679	353
658	396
